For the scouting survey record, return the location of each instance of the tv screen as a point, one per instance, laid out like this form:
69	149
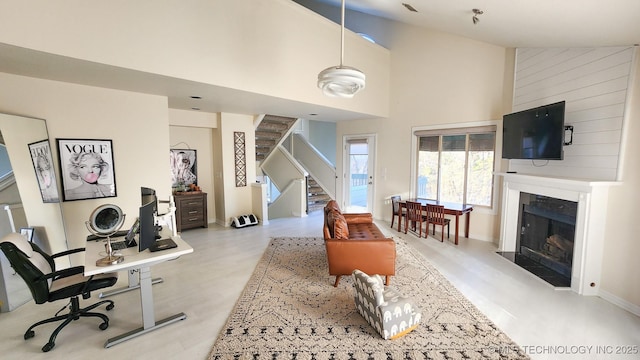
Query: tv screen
536	133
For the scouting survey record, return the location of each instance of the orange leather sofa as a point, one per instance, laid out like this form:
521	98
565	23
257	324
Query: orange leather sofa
353	242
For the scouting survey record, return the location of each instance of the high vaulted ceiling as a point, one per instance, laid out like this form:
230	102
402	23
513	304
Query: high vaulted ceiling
518	23
508	23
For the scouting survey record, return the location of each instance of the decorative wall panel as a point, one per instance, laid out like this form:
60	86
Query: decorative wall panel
593	82
240	158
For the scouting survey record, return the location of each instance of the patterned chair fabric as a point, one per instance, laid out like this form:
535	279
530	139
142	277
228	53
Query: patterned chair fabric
390	313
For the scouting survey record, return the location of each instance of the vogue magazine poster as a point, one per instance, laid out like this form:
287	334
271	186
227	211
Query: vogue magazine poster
87	169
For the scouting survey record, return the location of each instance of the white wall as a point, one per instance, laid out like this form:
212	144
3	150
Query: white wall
593	82
194	130
234	200
621	269
273	47
446	79
136	123
322	135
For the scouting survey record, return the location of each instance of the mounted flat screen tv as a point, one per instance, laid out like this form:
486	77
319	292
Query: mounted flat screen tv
536	133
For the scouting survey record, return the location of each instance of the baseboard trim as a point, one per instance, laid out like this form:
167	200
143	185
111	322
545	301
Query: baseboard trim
618	301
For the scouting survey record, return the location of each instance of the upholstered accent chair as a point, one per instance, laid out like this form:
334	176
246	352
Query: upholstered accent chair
391	314
48	284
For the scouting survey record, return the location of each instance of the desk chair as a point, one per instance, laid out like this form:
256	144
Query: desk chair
397	211
47	284
435	213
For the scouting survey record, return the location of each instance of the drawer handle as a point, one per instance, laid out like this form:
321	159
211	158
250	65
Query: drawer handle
193	212
193	219
193	203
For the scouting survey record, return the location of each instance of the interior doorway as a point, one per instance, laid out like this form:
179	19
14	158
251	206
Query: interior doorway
359	153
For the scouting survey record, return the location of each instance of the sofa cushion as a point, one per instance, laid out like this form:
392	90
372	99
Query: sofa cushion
365	231
340	227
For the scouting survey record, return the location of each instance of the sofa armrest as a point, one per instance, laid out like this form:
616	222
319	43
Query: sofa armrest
358	218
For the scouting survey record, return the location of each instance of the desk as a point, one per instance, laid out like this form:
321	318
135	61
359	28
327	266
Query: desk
140	262
455	209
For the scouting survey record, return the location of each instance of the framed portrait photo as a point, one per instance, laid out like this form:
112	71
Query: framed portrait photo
86	168
183	164
45	174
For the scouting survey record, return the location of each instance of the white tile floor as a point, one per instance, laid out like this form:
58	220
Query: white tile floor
205	285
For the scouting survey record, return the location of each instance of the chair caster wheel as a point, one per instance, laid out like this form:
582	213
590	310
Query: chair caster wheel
104	326
109	307
29	334
48	346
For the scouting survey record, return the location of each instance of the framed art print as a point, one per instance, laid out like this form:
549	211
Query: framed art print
43	165
86	168
184	167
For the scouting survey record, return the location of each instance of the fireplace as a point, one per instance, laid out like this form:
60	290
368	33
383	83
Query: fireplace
555	226
545	243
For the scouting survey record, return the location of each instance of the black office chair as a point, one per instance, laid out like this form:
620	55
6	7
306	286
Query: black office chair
47	284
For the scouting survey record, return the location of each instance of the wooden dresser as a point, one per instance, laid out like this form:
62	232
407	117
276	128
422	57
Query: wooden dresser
191	211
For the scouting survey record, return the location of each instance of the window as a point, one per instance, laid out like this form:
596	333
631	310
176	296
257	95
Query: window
456	165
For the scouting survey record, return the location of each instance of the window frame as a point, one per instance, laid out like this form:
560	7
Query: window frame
450	128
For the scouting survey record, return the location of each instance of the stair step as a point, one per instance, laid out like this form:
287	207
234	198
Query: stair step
319	197
269	135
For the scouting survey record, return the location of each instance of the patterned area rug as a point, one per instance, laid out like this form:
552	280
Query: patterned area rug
290	310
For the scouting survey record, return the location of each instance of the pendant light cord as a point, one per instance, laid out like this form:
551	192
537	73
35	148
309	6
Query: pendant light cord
342	34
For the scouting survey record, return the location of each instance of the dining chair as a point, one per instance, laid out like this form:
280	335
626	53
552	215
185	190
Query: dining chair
435	214
397	211
416	216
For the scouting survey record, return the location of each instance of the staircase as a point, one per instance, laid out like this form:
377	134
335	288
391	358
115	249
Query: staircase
318	198
269	133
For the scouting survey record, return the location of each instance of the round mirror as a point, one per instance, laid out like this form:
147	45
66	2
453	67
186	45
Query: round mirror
106	219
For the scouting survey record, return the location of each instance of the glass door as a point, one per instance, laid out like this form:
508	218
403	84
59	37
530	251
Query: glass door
358	179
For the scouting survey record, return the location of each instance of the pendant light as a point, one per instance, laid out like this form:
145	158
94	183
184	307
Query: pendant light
341	81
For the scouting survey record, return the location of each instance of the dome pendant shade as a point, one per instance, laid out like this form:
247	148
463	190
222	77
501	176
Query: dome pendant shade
341	81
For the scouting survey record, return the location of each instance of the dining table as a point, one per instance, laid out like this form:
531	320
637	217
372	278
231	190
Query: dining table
450	208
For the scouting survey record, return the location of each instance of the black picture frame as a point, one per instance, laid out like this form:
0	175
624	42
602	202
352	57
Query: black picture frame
87	169
45	174
184	167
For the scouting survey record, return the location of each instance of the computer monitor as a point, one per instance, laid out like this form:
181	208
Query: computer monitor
147	226
148	195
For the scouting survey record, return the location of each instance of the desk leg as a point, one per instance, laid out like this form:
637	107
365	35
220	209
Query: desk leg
134	283
148	316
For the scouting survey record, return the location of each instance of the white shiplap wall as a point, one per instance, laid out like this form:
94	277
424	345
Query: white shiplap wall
593	82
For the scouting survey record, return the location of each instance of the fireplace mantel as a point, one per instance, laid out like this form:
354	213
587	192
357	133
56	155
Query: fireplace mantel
591	196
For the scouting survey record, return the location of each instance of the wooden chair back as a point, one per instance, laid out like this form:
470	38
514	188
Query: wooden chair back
415	216
436	214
